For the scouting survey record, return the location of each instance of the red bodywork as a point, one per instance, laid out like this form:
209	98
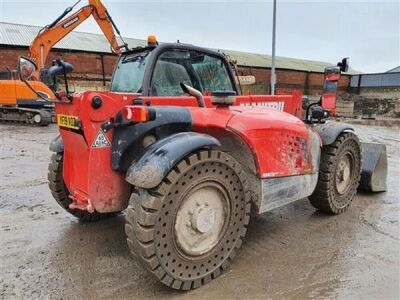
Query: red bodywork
329	102
278	140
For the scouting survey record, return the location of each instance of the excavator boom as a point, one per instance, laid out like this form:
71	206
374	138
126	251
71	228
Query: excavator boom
56	31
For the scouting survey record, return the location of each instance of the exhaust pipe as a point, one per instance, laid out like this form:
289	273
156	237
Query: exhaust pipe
195	93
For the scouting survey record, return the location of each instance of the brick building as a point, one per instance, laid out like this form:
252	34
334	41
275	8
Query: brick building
91	56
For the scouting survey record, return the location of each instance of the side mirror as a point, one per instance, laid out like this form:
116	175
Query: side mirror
60	68
26	68
344	64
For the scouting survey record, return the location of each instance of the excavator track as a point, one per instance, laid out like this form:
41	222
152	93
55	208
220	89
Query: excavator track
29	116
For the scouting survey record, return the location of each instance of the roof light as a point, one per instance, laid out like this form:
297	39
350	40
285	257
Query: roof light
152	40
138	114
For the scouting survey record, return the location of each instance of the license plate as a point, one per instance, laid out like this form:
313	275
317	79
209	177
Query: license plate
68	121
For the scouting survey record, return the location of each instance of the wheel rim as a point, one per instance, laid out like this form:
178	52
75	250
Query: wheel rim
201	219
37	118
343	176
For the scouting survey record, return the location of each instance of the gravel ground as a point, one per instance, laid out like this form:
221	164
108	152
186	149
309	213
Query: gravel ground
289	253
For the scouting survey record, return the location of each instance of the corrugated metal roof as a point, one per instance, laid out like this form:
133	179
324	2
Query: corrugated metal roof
22	35
265	61
394	70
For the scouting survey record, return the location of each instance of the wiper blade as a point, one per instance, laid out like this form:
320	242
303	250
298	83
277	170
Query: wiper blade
129	59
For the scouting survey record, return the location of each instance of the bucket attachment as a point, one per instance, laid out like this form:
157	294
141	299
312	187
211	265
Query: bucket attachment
374	167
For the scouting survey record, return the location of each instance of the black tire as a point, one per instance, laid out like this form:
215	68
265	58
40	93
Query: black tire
333	194
153	219
61	194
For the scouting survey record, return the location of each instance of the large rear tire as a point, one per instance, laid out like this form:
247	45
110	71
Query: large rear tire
339	174
188	229
61	194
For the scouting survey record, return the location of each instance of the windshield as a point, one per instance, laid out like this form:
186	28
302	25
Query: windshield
202	71
128	76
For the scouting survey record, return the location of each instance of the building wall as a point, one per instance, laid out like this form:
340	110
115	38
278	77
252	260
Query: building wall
288	80
88	73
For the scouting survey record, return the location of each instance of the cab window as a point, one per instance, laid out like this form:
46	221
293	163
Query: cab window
129	73
199	70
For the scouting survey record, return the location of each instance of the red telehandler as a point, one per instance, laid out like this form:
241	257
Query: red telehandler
175	145
33	103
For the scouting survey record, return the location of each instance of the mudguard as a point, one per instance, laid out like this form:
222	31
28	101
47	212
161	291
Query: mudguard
160	157
329	131
57	144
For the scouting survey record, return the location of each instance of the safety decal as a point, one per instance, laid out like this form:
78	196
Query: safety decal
101	141
70	22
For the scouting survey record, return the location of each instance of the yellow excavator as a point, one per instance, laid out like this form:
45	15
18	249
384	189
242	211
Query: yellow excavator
33	103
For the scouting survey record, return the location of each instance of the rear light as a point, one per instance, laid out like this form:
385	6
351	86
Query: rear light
138	114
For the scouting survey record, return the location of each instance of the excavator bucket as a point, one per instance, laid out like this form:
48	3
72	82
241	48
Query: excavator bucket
374	168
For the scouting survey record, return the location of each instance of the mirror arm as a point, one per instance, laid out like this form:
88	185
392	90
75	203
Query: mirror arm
33	90
65	79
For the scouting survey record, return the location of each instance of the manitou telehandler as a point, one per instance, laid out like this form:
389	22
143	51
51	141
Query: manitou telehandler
21	103
188	158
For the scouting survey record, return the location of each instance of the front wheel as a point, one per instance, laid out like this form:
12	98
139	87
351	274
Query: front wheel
339	174
188	229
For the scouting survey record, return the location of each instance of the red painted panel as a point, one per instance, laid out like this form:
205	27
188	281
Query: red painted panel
329	102
288	103
280	142
87	169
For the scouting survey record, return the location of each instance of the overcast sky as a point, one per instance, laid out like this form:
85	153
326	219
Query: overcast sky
366	31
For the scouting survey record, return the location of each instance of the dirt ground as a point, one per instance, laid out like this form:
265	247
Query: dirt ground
290	253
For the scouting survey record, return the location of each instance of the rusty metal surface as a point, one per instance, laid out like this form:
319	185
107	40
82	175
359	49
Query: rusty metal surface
291	252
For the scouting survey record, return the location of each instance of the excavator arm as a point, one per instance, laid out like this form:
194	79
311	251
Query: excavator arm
53	33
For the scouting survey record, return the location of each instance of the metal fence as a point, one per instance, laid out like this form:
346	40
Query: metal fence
375	80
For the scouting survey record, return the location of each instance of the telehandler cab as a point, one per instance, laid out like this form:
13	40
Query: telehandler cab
175	145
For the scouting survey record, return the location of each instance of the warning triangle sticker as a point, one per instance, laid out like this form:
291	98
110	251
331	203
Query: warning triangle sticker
101	141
